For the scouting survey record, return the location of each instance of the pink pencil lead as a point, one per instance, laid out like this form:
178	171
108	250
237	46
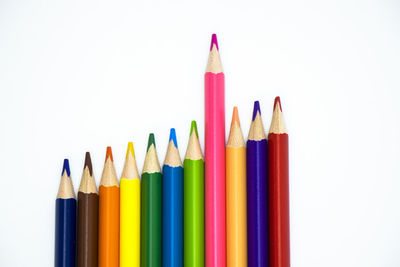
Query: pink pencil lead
214	41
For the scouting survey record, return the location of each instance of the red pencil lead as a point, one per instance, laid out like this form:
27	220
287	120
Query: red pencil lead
278	100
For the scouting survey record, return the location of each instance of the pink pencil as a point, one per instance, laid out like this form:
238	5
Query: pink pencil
214	83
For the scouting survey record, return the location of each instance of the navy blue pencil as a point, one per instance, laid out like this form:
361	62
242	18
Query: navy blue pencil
172	206
65	236
257	205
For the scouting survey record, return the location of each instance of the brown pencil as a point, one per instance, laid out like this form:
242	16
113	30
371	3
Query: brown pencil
88	211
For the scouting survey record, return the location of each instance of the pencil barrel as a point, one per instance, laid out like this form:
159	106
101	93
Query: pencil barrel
215	231
88	213
151	220
236	209
130	223
193	203
108	226
257	206
172	216
65	233
279	227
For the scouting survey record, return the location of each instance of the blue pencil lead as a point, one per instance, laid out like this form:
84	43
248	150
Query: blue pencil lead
66	168
172	136
256	109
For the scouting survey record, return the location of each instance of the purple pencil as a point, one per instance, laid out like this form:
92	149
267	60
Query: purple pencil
257	206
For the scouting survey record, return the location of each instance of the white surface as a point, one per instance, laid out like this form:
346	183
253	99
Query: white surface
80	76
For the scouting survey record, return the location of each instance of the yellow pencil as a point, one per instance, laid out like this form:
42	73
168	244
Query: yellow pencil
130	212
236	209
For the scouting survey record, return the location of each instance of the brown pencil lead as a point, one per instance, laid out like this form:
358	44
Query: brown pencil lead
88	163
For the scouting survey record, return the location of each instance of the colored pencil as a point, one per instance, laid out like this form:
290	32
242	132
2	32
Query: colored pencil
278	156
65	236
151	208
88	217
193	202
257	209
236	209
215	231
130	212
172	205
109	215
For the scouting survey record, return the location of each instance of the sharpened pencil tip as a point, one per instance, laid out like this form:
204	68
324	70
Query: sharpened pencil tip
109	154
235	116
130	150
214	41
151	141
88	163
66	168
172	136
256	109
193	127
276	102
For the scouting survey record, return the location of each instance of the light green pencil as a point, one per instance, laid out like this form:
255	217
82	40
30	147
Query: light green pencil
193	202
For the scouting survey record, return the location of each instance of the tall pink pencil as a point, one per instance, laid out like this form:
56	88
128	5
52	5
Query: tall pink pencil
214	83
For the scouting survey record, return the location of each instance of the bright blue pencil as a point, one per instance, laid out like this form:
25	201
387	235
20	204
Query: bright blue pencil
172	206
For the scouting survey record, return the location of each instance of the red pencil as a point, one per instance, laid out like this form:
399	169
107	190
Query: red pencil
278	190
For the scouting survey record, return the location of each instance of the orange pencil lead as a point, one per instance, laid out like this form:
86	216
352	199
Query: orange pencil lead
235	116
109	154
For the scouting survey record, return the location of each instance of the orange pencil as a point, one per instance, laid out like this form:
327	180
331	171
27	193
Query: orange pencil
109	215
236	208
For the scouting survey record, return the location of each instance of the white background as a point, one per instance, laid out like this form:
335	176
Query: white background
76	77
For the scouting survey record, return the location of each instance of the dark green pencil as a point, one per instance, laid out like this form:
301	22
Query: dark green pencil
151	208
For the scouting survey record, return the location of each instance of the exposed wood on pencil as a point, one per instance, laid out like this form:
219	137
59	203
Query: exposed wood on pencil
172	158
130	170
66	189
214	64
235	138
88	184
151	163
277	123
193	151
257	131
109	176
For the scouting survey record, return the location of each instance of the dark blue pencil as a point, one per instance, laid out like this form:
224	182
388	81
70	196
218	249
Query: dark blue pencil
172	207
257	205
65	236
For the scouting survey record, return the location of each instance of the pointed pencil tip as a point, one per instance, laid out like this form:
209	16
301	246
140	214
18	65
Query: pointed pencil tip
172	136
235	116
66	168
130	150
88	163
193	127
214	41
256	109
109	154
277	102
151	141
